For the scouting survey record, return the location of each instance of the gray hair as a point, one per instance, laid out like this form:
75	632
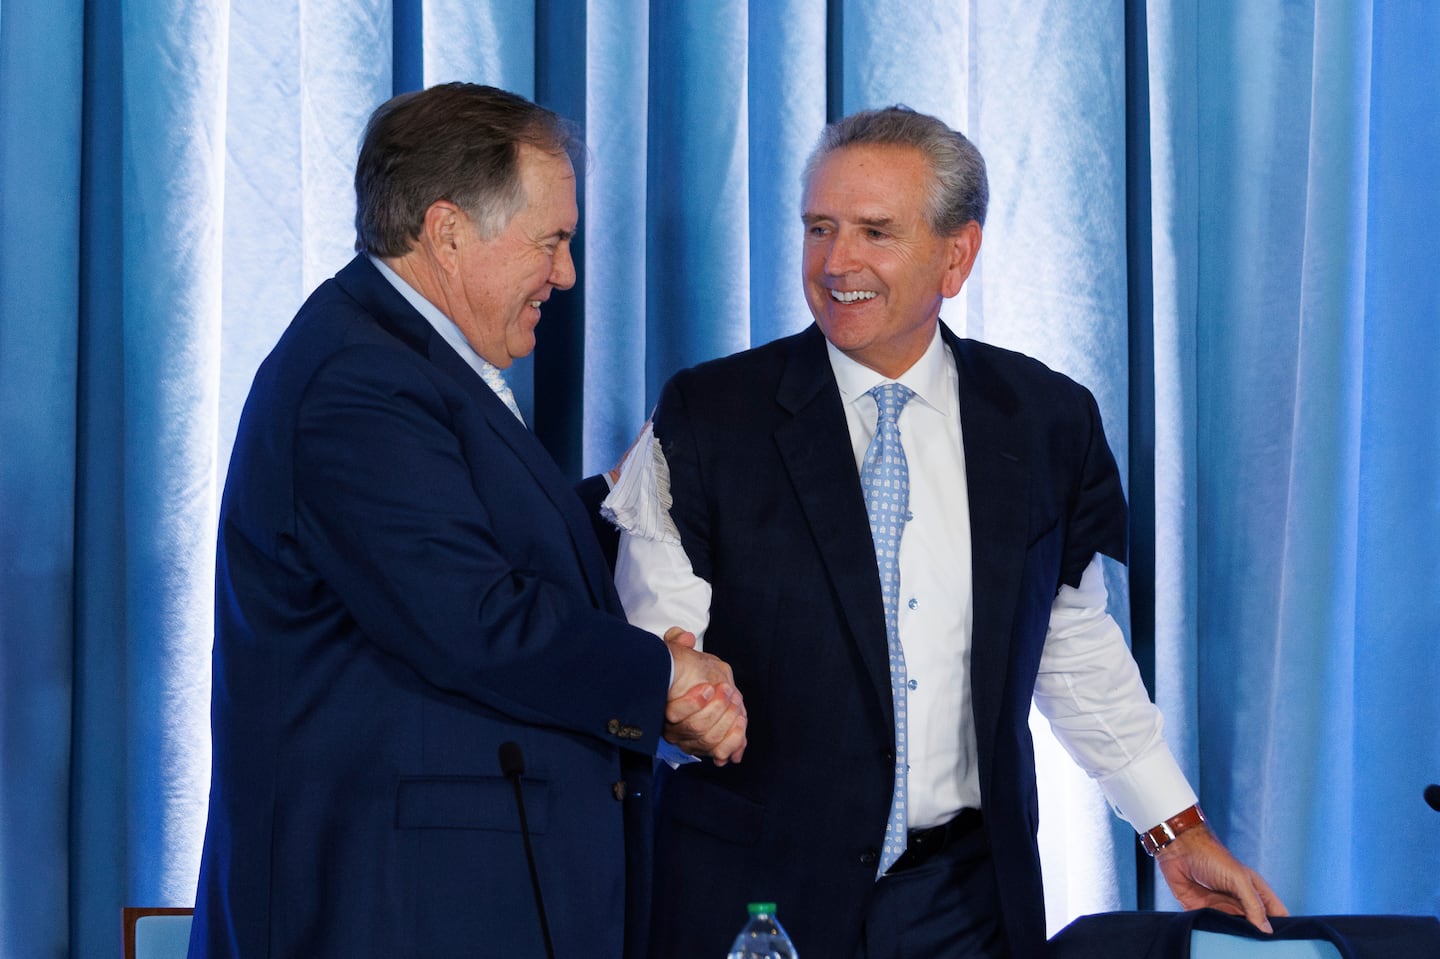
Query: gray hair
959	191
456	141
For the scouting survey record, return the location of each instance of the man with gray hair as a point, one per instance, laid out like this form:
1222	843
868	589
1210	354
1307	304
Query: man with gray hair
893	536
415	625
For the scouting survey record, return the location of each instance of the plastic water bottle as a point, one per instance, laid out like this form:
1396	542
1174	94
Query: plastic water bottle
763	937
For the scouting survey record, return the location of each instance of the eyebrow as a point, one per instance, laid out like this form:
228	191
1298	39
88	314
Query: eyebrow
881	222
884	222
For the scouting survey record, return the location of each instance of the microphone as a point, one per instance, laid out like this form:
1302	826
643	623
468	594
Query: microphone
512	764
1432	796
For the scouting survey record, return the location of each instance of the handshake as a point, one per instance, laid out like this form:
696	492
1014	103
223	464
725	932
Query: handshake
705	713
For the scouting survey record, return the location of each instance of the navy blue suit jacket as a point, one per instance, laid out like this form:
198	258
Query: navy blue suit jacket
767	499
406	581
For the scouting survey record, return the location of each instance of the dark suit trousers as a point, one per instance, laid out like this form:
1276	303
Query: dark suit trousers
944	908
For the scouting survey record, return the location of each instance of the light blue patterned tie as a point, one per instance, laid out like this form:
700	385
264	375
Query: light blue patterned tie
496	381
885	480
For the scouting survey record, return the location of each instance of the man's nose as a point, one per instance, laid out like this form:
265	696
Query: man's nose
840	259
562	270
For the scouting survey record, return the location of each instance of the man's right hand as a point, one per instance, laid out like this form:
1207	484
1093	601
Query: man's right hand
1203	874
705	714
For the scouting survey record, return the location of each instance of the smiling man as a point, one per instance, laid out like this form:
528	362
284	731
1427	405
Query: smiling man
893	537
405	582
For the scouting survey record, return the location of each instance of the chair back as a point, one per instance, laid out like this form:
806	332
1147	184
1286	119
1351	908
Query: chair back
1216	945
156	932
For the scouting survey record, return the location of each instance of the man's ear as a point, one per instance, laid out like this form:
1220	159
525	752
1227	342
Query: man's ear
962	249
443	233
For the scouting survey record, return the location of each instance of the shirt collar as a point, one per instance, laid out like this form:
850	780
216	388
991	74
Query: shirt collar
927	377
443	325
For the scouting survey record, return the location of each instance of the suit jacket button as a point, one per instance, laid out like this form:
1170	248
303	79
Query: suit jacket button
869	857
619	790
630	732
613	727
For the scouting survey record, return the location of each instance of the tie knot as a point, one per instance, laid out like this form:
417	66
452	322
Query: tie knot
890	399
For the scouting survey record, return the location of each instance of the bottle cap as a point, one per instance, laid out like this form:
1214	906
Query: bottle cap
761	908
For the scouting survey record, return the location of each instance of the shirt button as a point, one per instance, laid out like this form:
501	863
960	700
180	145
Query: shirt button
913	684
914	603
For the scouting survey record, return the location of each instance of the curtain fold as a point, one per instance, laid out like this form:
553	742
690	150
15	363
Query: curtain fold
616	280
172	168
100	770
1285	235
1397	721
41	70
1174	207
1260	532
697	199
175	179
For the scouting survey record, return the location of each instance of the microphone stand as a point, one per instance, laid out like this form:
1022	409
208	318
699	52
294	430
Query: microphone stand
512	764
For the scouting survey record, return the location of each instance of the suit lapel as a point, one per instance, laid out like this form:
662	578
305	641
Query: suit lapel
538	461
815	447
997	479
363	282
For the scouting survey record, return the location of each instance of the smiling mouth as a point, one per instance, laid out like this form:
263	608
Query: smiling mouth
852	296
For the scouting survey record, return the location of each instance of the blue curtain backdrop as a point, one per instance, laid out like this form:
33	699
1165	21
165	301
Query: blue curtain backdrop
1219	215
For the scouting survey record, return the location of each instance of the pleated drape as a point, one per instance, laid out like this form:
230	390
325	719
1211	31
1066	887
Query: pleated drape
1298	430
1222	222
40	247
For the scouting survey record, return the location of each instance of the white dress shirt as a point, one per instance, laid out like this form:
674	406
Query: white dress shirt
1088	685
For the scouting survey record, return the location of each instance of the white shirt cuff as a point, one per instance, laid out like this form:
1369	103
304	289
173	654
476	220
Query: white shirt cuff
1149	790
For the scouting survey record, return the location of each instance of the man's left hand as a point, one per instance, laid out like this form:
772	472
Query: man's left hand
1202	874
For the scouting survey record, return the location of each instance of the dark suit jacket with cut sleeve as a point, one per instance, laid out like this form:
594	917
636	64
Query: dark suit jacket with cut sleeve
405	581
768	503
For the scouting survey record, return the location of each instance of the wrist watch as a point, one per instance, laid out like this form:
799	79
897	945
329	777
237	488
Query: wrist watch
1168	831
